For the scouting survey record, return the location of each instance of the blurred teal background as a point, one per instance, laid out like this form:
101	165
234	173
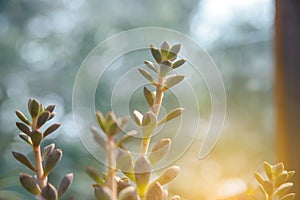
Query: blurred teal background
42	44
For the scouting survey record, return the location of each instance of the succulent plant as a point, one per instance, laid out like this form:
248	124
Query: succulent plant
276	185
32	134
137	183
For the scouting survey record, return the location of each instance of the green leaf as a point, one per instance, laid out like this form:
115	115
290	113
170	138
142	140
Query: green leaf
178	63
47	150
103	193
155	192
173	52
24	128
173	80
168	175
159	150
269	170
164	49
142	171
149	96
53	158
36	137
93	174
22	117
151	66
171	115
33	107
128	193
42	119
49	192
138	117
156	53
146	74
51	129
101	120
29	183
26	138
23	159
65	184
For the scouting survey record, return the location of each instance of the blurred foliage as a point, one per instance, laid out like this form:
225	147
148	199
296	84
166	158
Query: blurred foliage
42	44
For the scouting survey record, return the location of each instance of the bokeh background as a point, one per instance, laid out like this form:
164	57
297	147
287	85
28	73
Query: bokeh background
43	43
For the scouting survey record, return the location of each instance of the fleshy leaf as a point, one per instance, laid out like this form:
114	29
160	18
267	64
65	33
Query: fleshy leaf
159	150
269	170
155	192
23	159
164	49
259	178
171	115
128	193
125	163
138	117
148	123
33	107
26	138
156	53
175	197
36	137
142	171
24	128
101	120
29	183
65	184
178	63
151	66
147	75
100	138
173	80
53	158
93	174
290	196
22	117
50	108
281	179
49	192
168	175
284	190
126	137
42	119
47	150
103	193
173	52
149	96
51	129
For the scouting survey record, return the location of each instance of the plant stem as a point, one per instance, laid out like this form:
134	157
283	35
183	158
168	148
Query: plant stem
155	109
158	96
38	161
111	168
